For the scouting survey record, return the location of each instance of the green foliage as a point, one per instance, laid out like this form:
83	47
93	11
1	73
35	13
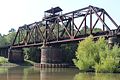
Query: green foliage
97	56
12	30
33	53
3	40
85	54
10	37
26	52
3	60
95	30
7	39
109	60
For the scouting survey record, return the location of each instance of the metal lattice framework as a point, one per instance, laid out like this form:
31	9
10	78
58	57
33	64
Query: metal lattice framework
67	27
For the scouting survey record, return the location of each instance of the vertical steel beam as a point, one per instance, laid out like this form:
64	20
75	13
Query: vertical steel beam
90	21
103	21
58	25
85	27
72	25
26	36
46	27
19	37
35	34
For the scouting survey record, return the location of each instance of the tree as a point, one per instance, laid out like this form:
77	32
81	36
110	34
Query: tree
95	30
12	30
3	41
85	54
109	60
97	56
11	35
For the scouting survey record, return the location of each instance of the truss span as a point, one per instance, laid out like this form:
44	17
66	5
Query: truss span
68	27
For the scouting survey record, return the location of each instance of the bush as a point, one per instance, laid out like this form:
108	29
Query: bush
85	54
109	60
3	60
97	56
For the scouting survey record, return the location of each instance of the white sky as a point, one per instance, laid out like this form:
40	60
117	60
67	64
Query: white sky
15	13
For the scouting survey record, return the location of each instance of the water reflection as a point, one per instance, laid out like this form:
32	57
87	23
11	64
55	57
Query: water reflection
19	73
97	76
31	73
58	73
108	76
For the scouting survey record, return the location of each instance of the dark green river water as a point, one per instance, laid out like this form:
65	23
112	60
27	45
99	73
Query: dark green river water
31	73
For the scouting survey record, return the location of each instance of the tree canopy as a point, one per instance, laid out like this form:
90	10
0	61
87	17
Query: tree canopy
97	56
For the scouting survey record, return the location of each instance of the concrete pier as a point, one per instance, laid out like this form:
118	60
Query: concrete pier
51	54
16	56
113	40
51	57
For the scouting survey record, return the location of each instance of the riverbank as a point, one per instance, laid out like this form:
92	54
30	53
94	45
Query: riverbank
5	63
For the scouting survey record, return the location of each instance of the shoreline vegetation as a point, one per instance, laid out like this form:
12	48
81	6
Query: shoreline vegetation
97	56
5	63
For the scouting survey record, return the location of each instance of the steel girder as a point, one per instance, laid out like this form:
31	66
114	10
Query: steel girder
65	28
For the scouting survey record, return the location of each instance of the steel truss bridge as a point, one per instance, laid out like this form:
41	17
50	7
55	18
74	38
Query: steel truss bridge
56	28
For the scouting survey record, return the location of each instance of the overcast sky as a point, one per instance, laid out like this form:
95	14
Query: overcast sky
15	13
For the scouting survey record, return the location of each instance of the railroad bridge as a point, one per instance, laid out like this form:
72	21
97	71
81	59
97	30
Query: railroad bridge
57	28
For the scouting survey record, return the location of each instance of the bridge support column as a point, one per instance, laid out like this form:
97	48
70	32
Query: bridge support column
51	54
51	57
16	56
112	41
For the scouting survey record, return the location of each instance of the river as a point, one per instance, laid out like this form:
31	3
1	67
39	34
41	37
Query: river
32	73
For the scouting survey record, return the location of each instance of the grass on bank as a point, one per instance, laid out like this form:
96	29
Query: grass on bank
27	63
5	62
